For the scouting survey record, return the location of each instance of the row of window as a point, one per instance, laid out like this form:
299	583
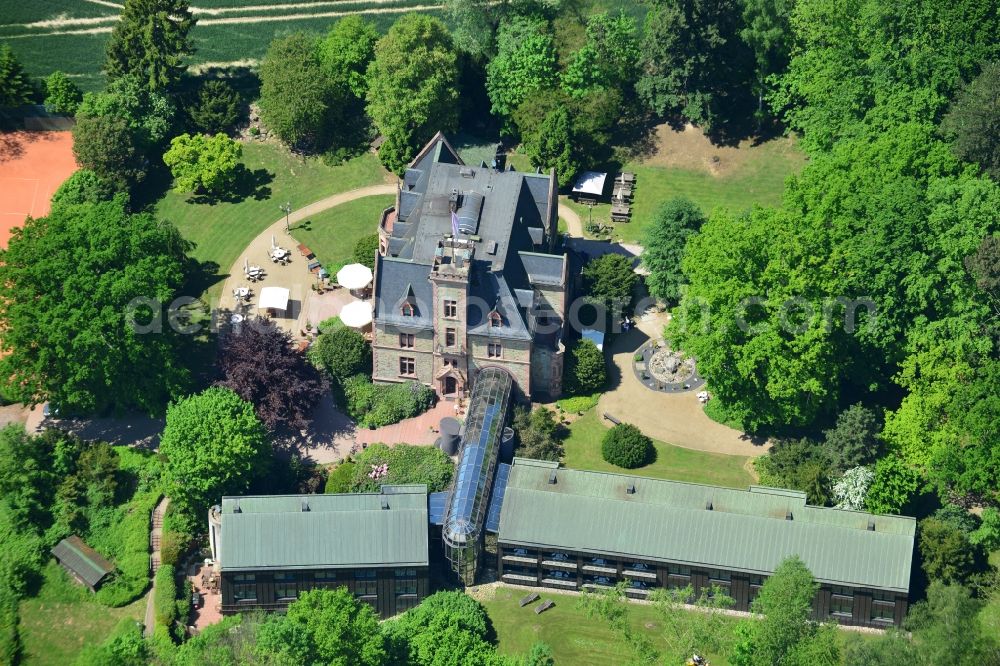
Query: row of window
408	364
286	585
841	600
450	311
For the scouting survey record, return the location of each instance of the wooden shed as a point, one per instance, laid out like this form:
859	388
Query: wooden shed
82	562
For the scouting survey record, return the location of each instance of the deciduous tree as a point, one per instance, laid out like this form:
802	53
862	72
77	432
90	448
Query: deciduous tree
258	363
83	187
524	64
538	434
785	634
67	289
106	146
203	163
690	51
663	245
947	630
346	51
608	59
61	95
893	486
412	87
150	41
214	445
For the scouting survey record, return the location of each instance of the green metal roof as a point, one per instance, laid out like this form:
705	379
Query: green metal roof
686	523
325	531
83	560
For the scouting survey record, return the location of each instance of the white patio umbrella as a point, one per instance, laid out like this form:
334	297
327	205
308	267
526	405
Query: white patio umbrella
354	276
273	298
356	314
273	244
246	265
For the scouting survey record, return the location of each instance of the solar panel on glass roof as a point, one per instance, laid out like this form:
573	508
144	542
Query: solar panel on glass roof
496	503
436	504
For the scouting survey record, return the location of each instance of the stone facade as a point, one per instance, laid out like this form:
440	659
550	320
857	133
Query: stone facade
483	289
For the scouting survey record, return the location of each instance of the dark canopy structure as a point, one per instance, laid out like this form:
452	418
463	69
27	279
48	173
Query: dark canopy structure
83	562
470	493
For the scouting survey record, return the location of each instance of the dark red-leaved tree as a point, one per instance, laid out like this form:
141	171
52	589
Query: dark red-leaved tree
259	363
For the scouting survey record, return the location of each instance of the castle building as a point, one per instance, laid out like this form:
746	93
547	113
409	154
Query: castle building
467	278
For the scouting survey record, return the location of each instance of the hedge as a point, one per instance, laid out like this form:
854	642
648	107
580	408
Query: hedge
122	535
625	446
406	464
341	478
578	403
165	596
10	640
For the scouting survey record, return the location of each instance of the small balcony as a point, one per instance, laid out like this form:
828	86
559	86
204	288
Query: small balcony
386	221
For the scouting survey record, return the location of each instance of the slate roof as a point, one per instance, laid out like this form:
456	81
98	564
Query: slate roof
336	531
511	221
82	560
692	524
399	280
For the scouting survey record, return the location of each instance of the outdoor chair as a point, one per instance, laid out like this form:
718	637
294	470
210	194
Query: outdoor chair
525	600
544	606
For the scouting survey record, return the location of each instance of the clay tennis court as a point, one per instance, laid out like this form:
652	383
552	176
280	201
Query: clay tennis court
32	166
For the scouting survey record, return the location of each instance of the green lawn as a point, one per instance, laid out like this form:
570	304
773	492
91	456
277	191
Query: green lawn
574	637
760	179
583	451
331	235
222	230
62	618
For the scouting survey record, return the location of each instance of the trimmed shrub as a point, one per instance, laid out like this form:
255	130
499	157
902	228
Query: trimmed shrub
343	352
10	641
165	599
405	464
625	446
365	250
341	478
172	544
579	403
376	405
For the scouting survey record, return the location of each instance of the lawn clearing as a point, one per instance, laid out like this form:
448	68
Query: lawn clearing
331	235
221	231
683	166
63	618
583	451
574	637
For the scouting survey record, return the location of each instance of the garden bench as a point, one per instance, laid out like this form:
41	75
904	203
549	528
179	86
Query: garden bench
306	252
525	600
612	419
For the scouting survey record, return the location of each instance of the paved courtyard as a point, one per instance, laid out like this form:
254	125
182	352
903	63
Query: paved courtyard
675	418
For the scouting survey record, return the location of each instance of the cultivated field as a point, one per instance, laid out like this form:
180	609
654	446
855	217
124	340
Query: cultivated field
70	34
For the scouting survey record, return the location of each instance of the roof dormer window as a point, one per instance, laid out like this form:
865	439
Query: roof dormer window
495	319
407	310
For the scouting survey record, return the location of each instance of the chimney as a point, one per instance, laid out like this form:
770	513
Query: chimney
708	505
630	489
305	505
552	477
